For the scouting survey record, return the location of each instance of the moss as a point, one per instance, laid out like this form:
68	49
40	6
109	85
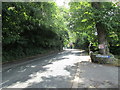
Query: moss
112	60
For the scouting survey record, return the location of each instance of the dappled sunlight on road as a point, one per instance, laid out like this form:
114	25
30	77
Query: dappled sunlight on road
69	69
59	67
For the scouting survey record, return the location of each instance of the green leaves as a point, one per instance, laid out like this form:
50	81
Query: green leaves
84	17
84	20
31	25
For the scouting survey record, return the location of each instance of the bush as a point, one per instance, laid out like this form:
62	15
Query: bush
115	50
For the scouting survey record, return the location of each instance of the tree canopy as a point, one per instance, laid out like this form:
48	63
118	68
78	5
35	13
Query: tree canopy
30	28
84	18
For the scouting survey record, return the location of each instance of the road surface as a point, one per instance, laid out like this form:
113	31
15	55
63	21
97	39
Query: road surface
68	69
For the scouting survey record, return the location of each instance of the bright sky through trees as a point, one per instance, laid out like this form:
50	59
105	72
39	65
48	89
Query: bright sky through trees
62	3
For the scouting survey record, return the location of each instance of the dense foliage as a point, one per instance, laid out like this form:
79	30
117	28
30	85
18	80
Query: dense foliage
31	28
83	20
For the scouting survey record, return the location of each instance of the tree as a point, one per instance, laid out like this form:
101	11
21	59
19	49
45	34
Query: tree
31	28
100	17
101	30
82	23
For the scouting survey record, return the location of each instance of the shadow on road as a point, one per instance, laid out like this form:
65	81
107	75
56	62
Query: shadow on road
37	73
58	72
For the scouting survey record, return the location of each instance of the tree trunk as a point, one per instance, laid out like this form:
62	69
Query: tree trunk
102	41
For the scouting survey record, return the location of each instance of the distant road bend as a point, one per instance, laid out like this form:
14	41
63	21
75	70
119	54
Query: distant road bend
68	69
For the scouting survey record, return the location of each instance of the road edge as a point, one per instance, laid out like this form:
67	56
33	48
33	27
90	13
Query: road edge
28	59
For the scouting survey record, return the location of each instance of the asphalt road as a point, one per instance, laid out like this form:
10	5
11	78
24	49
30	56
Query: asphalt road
68	69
